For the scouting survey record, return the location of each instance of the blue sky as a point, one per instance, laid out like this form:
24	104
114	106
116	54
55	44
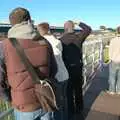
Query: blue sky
92	12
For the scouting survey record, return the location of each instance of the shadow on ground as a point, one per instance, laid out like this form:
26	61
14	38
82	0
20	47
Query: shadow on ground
98	86
98	105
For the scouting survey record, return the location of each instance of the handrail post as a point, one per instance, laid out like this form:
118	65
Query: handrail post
101	52
93	58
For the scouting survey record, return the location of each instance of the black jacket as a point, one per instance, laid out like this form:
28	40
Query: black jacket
72	49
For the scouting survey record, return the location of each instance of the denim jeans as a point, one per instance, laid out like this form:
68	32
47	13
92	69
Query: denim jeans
36	115
114	77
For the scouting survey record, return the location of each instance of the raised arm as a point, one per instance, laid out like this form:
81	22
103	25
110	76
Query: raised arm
84	32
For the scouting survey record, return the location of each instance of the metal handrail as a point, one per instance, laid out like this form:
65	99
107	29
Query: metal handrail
95	56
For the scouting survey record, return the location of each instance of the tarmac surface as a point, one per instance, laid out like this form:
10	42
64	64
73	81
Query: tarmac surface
98	104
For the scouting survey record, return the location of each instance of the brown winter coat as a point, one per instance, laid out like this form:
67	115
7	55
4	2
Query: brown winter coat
22	87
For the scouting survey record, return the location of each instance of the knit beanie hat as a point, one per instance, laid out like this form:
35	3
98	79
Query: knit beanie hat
19	15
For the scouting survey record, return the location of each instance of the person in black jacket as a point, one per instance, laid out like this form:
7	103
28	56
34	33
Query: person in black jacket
72	55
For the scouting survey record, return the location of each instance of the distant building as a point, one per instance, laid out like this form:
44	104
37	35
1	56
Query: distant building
57	31
4	29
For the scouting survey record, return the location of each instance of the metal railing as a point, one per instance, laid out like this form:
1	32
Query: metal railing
92	57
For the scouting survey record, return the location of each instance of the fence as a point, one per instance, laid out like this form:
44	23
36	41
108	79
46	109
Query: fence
92	57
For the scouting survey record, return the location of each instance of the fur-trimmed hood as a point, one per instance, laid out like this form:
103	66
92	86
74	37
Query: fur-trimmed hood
24	30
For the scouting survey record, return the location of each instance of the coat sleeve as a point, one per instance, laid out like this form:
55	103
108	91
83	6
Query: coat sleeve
52	62
84	32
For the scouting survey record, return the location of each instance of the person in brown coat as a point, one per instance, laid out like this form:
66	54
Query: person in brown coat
23	95
72	55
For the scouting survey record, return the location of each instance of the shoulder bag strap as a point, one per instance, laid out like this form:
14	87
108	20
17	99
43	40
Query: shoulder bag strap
25	60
